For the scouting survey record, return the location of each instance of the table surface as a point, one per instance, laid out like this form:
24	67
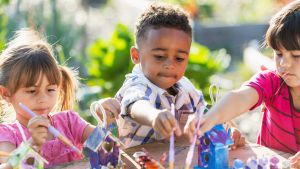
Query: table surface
157	149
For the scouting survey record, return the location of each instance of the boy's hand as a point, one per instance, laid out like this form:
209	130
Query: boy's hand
190	127
111	107
164	123
238	139
38	128
295	161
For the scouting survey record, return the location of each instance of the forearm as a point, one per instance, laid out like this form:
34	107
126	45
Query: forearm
234	104
143	112
5	166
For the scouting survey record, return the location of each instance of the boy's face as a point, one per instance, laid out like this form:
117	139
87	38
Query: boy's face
163	55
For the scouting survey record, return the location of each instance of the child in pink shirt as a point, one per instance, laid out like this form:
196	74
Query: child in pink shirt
29	74
278	90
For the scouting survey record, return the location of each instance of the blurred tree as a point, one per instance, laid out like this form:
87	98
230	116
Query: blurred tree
109	61
230	11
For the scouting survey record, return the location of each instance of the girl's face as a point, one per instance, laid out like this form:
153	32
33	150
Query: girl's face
288	66
40	98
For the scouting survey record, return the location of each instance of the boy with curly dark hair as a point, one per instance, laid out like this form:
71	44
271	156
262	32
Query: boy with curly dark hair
163	40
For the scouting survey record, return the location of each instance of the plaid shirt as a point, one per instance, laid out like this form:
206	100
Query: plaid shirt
137	87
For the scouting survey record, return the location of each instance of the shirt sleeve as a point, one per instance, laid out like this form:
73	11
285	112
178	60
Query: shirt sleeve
132	94
265	84
7	134
77	126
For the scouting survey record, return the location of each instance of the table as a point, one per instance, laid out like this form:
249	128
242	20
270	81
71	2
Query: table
157	149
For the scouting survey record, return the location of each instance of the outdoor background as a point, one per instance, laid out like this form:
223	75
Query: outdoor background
94	37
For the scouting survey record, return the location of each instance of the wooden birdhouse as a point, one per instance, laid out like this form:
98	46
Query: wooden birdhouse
213	149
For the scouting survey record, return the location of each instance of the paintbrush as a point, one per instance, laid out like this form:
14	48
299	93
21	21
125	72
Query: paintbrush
190	154
171	150
53	130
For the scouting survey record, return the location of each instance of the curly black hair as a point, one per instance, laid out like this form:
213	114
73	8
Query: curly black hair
162	15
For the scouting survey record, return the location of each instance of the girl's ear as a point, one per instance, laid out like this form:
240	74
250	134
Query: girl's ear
134	55
5	93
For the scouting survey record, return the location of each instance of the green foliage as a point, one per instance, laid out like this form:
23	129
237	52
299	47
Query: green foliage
109	61
204	63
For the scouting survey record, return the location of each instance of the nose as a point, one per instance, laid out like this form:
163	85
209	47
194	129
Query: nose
285	61
42	97
169	64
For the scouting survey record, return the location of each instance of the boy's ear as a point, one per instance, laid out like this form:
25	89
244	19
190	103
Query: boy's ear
134	55
5	93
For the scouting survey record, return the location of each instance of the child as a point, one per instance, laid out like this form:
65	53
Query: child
31	75
163	40
278	90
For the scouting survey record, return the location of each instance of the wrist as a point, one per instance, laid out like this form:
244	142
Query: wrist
153	116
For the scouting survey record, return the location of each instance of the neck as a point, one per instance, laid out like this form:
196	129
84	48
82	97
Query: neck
22	119
295	91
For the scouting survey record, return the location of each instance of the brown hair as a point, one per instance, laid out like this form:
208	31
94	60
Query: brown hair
161	15
284	29
28	56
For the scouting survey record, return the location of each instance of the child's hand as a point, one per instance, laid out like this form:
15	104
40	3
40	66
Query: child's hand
190	127
164	123
295	161
111	107
238	139
38	128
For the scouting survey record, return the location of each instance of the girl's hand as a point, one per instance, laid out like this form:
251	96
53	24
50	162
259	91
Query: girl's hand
295	161
238	139
165	123
38	128
111	107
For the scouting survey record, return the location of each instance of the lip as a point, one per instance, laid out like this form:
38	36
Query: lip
41	111
167	75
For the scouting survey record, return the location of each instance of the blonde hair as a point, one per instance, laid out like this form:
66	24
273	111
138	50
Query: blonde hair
28	56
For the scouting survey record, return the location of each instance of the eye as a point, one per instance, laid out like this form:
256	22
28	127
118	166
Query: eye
159	57
296	56
179	59
31	91
51	90
278	54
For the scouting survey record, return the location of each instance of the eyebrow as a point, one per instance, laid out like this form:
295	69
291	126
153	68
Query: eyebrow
164	49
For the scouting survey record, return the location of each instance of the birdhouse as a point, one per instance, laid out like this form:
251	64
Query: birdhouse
102	149
25	157
213	149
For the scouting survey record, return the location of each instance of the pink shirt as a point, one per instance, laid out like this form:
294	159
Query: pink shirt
280	127
68	123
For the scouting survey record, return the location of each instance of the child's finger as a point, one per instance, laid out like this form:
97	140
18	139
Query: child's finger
242	142
295	158
161	129
192	126
174	125
167	125
38	121
114	106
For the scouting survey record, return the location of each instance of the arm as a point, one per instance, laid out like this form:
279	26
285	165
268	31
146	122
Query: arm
230	106
162	121
6	147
